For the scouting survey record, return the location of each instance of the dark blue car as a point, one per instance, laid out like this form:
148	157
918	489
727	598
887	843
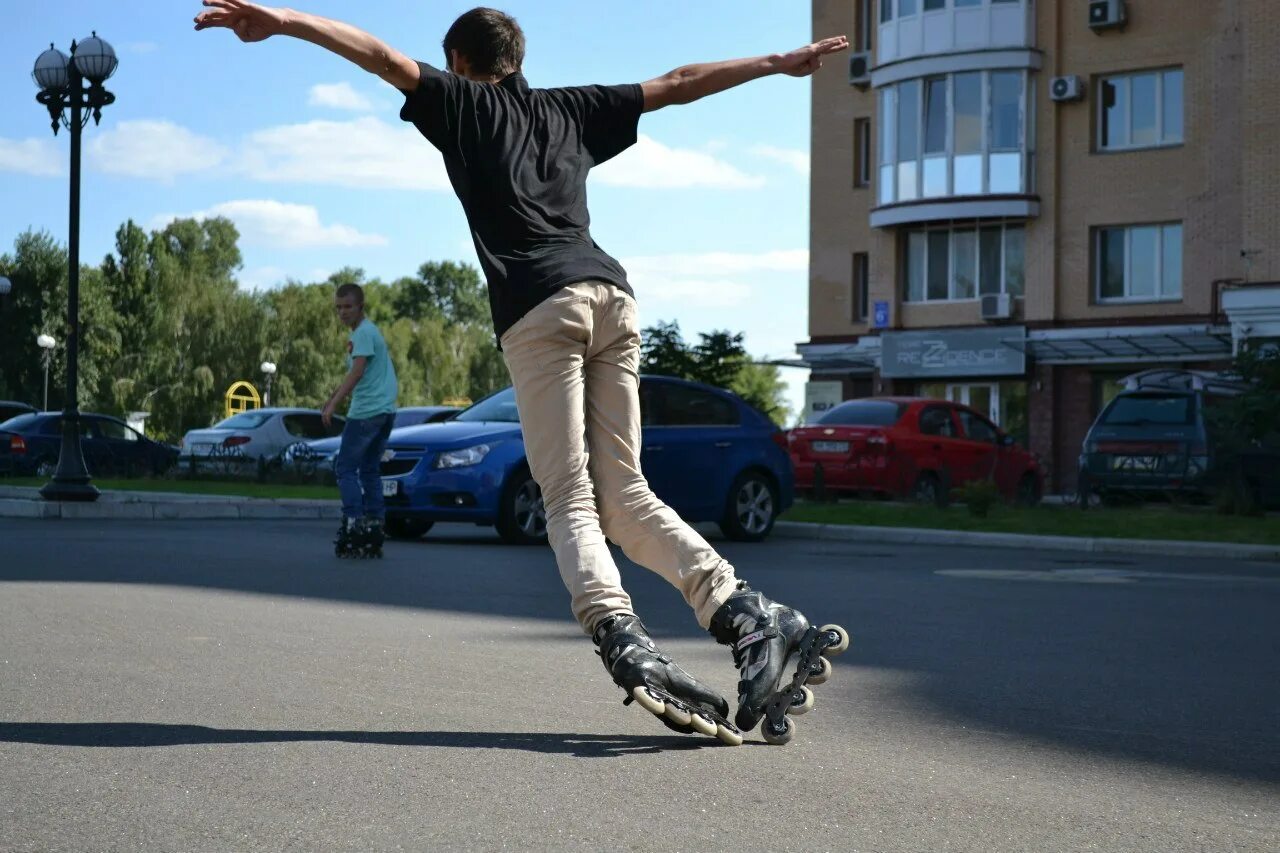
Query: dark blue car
705	452
30	444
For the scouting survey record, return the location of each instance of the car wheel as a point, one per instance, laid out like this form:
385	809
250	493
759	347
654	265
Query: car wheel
751	508
928	490
408	528
522	519
1028	491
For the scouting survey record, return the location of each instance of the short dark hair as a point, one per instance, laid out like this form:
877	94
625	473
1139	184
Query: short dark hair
351	289
492	42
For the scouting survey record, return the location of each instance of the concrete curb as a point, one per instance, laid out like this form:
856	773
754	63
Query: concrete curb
1092	545
25	502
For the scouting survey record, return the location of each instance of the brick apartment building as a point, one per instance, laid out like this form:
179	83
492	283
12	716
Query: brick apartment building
1016	203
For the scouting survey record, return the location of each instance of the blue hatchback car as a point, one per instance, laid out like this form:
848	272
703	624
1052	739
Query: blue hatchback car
705	452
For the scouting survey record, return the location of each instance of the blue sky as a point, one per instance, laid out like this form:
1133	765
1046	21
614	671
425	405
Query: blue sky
306	153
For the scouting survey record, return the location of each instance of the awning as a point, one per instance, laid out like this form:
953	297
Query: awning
862	356
1127	344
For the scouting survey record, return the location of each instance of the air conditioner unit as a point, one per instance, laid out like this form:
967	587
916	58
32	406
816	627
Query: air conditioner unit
997	306
1069	88
1106	14
860	69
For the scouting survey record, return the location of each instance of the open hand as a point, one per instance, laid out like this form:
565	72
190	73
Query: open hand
804	61
249	21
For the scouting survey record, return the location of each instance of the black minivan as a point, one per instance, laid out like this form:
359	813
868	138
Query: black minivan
1154	436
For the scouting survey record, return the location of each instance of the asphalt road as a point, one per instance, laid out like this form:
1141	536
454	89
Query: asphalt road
232	686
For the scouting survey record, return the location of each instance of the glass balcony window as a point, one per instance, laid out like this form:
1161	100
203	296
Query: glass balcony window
965	134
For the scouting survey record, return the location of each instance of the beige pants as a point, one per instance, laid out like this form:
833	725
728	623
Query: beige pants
574	361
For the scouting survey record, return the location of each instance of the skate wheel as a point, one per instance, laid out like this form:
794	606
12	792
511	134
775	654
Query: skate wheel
648	701
841	639
728	736
678	715
779	734
802	705
702	725
820	672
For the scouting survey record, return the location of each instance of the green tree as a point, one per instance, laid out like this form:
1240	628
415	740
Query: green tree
720	359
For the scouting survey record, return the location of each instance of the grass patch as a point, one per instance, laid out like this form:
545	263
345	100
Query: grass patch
1151	522
246	489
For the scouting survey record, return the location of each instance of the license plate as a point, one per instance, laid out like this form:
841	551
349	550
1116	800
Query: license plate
1136	463
830	447
390	488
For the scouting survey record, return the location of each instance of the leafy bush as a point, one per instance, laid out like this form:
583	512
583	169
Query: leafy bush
979	496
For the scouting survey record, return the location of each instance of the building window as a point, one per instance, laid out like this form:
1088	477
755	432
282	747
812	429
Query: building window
864	26
1139	263
957	264
861	287
1140	110
957	135
862	152
907	8
886	11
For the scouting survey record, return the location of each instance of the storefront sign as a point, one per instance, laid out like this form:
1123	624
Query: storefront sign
819	397
880	316
997	351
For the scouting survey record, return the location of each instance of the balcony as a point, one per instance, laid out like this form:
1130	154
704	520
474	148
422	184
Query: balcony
956	146
928	28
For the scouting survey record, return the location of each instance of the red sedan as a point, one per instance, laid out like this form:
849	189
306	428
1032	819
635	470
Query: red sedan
910	447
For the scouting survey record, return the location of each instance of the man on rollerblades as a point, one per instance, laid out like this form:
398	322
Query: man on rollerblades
565	315
371	382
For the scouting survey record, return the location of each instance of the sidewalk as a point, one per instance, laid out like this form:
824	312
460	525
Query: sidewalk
25	502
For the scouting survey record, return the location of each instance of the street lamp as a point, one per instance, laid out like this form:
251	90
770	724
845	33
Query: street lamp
268	369
73	84
46	343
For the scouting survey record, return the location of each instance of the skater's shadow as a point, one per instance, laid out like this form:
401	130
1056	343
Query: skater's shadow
126	735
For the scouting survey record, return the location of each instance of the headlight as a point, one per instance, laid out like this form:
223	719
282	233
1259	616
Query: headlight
459	458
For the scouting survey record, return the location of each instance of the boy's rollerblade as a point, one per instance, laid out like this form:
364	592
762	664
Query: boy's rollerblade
766	637
359	538
662	688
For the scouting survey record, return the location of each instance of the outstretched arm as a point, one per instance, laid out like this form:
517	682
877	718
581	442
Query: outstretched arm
691	82
252	22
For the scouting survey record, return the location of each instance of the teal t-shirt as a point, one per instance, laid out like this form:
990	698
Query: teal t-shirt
376	392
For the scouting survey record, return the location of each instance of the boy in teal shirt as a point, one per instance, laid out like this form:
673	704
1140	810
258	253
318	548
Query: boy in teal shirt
371	382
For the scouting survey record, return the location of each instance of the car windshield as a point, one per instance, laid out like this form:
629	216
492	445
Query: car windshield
1144	409
244	420
863	413
19	422
500	407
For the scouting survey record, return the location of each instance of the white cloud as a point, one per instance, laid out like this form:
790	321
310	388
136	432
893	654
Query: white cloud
339	96
691	293
796	159
266	222
364	153
651	165
160	150
30	157
703	264
708	279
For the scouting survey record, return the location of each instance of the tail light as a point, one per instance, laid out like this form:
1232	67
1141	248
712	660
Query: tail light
236	440
17	445
781	439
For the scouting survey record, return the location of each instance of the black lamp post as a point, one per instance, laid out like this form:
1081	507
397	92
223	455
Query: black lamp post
63	91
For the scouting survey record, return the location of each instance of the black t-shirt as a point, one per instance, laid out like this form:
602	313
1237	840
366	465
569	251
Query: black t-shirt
518	159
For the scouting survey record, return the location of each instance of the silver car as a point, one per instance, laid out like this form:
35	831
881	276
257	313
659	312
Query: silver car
257	435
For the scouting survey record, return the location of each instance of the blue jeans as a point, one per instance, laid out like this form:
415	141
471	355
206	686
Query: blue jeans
358	465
